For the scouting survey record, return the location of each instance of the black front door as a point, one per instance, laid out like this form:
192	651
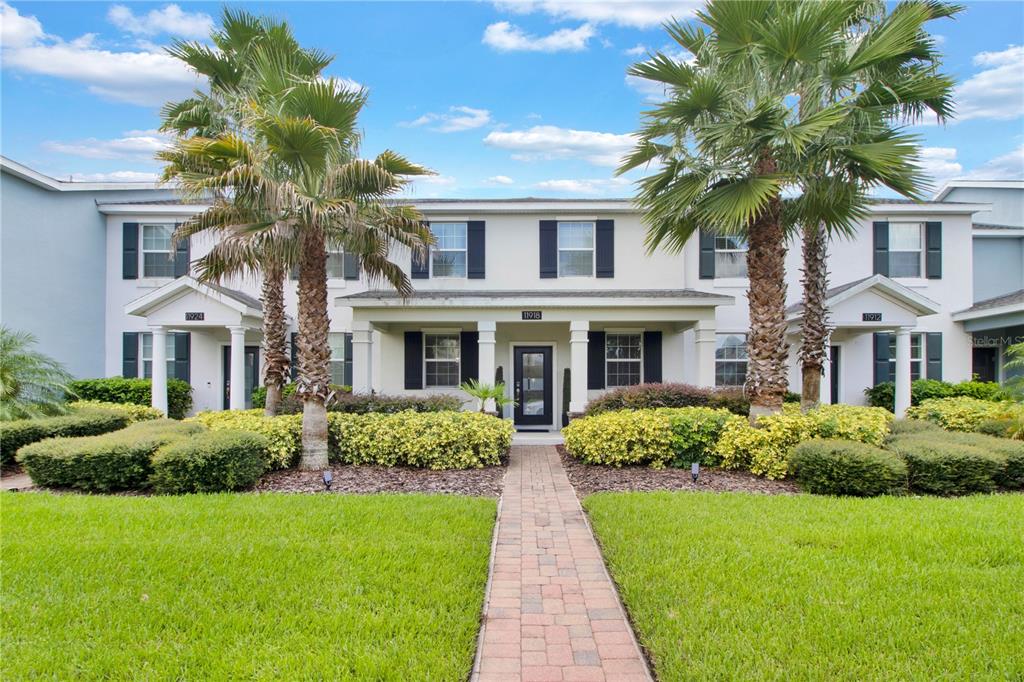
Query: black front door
833	369
252	374
532	388
985	361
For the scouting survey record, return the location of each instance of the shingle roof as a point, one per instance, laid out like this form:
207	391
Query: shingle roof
997	302
997	226
538	293
239	296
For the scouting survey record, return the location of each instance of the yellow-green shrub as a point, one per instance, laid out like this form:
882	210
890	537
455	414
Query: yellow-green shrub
134	413
676	435
963	413
433	440
283	433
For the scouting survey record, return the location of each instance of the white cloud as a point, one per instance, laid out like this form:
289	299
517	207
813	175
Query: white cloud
939	164
1008	166
608	186
636	50
135	144
116	176
997	91
552	142
500	180
430	186
506	37
147	78
456	120
171	20
631	13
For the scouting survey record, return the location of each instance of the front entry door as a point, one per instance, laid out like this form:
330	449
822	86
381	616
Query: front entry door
985	363
252	374
533	389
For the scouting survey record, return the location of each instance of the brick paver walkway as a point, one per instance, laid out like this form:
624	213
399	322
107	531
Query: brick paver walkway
552	612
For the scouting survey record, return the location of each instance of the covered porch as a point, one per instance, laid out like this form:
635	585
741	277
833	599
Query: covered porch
994	324
554	351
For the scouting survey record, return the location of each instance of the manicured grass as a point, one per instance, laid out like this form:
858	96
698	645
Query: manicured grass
381	587
734	586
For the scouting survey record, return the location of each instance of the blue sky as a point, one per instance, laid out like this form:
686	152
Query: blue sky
502	99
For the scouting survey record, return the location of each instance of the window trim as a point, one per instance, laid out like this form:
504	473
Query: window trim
745	361
170	251
921	250
592	249
464	250
457	333
745	275
623	332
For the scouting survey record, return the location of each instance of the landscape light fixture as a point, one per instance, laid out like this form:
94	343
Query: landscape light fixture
328	479
695	470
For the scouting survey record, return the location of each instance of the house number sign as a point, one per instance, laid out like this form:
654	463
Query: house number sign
195	317
532	315
871	317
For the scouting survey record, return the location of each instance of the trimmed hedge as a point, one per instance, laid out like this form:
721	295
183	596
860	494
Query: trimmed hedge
841	467
433	440
134	413
377	403
964	413
133	392
657	437
940	466
1000	428
1009	452
905	427
210	462
651	396
114	461
16	434
883	394
283	432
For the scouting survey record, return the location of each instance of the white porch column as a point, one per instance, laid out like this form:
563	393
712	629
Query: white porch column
362	356
902	372
159	385
236	396
578	333
485	353
704	338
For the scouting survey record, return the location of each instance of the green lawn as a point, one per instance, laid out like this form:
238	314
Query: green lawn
383	587
733	586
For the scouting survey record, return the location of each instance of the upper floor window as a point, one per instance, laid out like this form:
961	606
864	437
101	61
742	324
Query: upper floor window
448	254
441	360
730	359
623	359
905	249
730	256
157	251
335	265
576	249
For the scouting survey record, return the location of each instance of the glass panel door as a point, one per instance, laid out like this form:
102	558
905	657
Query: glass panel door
533	388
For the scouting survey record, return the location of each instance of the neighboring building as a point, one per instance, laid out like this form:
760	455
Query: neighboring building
996	318
528	288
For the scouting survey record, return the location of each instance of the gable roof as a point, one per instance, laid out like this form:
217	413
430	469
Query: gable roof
54	185
904	296
236	300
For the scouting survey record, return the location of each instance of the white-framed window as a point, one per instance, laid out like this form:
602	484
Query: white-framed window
335	265
442	359
905	252
157	250
916	355
730	359
146	356
730	256
623	358
341	362
576	249
448	254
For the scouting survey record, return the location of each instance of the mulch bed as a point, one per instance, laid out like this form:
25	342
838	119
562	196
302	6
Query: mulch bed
484	482
588	478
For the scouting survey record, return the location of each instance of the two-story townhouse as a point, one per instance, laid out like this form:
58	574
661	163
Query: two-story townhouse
558	297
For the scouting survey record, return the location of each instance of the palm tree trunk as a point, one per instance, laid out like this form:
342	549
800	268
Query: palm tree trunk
814	328
314	352
275	349
767	379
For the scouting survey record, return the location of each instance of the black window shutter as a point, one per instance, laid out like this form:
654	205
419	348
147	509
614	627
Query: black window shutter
476	249
182	256
652	357
595	360
130	355
470	355
605	243
351	266
882	366
346	371
548	249
881	251
933	250
182	353
707	254
130	251
421	264
413	360
294	368
933	346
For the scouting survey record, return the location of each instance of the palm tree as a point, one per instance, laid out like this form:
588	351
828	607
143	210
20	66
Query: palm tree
32	384
734	133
